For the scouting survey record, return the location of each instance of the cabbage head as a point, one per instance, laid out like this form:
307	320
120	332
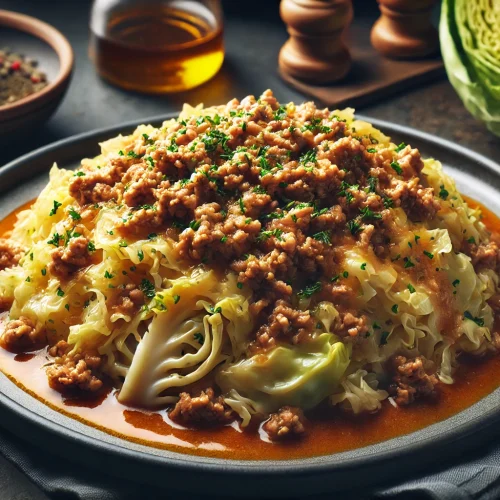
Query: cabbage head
470	44
300	375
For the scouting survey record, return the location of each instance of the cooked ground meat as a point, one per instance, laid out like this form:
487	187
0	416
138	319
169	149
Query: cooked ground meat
287	423
22	335
284	321
352	325
74	370
10	254
128	301
411	379
203	409
66	260
484	256
5	304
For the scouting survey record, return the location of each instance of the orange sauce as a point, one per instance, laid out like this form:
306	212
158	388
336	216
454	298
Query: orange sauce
329	431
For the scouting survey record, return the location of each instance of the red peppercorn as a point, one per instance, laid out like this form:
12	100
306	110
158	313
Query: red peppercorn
15	65
35	79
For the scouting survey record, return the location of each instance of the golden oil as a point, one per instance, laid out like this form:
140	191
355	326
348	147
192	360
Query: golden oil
157	49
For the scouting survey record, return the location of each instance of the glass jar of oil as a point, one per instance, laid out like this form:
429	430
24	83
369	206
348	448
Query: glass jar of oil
157	46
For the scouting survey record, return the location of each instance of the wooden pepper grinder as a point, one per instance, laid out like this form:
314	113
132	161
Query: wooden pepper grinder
404	30
315	51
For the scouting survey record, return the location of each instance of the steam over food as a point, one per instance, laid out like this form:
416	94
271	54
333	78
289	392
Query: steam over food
252	260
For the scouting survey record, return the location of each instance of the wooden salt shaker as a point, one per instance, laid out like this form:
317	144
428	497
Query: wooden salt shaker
404	30
315	51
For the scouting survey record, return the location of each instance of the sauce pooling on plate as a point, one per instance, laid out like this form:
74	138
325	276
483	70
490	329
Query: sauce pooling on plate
329	430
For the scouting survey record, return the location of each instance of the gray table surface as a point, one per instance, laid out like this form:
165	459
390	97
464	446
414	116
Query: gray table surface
253	34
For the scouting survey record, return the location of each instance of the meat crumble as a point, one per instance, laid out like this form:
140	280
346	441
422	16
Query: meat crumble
10	254
205	408
22	335
74	370
285	424
411	379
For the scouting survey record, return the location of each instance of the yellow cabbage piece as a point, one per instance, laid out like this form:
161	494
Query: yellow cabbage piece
301	375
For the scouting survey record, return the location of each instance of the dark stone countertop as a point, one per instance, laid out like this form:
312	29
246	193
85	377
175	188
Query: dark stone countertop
253	35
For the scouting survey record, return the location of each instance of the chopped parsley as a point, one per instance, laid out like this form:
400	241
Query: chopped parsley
388	202
324	237
140	254
55	208
147	288
478	321
310	290
428	254
147	140
55	240
150	161
366	213
242	205
259	190
176	298
223	239
173	148
60	292
44	271
472	240
123	244
371	150
265	235
74	214
308	157
280	113
363	266
80	173
417	237
195	224
396	167
372	184
28	280
133	154
400	147
394	308
345	274
408	263
411	288
383	338
108	275
344	191
456	283
91	246
199	338
239	285
354	226
443	193
152	236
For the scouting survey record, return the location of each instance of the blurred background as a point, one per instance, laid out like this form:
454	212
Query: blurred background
254	34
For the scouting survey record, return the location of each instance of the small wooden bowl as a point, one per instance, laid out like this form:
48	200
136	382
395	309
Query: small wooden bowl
42	42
